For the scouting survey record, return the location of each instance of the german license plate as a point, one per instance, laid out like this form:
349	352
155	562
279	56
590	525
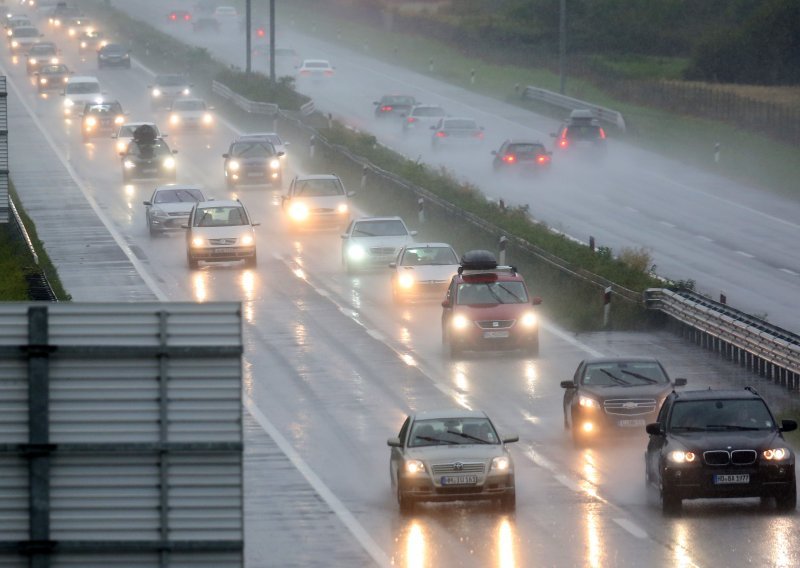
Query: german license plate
630	423
459	479
731	478
149	170
495	334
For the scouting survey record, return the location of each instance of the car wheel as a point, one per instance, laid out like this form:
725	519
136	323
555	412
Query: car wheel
671	504
406	503
787	500
193	263
508	502
251	262
533	349
152	230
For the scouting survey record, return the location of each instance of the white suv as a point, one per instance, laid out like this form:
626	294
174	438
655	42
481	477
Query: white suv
220	231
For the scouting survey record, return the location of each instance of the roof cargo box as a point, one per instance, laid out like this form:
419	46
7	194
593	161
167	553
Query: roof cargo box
478	260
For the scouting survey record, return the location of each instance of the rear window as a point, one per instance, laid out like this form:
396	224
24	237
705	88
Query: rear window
317	64
583	132
26	32
527	149
461	123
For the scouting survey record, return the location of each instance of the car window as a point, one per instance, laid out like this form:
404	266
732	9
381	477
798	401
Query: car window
252	149
104	109
398	100
452	431
387	228
584	132
526	149
461	123
318	188
42	50
53	69
623	373
490	293
720	415
182	195
317	64
429	255
221	216
170	80
127	130
157	148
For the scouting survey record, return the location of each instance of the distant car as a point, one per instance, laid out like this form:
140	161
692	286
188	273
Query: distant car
273	138
177	16
113	55
526	156
205	24
22	38
166	88
610	395
252	161
50	77
101	119
16	20
581	134
91	41
42	53
79	90
124	135
315	201
148	157
423	270
456	131
76	25
488	307
451	455
373	242
720	444
169	207
394	106
60	13
187	113
220	231
421	117
315	69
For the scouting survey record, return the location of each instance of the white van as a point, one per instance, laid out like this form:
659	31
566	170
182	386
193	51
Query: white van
79	90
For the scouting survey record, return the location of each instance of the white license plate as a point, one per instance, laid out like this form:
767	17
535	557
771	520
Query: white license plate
495	334
149	170
255	174
219	251
459	479
732	478
630	423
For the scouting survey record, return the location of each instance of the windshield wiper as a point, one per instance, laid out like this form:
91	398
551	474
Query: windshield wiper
688	428
510	293
615	378
479	440
732	427
642	377
430	439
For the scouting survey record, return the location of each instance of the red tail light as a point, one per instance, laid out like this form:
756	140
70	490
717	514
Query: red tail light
260	32
441	134
173	16
479	135
187	17
329	73
542	159
563	142
602	134
509	158
411	119
386	108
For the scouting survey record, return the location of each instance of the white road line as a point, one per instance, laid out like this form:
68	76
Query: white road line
373	333
705	238
631	528
631	209
344	514
744	254
667	224
789	272
568	483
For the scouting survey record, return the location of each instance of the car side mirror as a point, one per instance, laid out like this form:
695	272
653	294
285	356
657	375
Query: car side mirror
226	156
147	203
510	439
568	384
413	233
445	303
392	265
788	425
680	382
537	300
393	442
654	429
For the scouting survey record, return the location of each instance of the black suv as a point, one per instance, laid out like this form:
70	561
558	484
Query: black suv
614	395
252	159
719	443
101	118
148	157
581	134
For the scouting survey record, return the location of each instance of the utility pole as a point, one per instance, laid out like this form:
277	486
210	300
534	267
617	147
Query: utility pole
248	42
562	44
272	41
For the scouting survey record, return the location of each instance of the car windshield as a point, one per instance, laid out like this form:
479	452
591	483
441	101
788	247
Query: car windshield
624	373
182	195
584	132
82	88
428	111
526	149
318	188
51	69
429	255
720	415
43	49
114	48
221	216
490	293
398	100
387	228
104	109
252	150
26	32
317	64
461	123
452	431
127	130
188	105
170	80
156	148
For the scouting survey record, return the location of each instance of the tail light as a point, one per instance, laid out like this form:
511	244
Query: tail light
173	16
479	135
411	119
386	108
563	142
509	158
542	159
187	17
602	134
328	73
441	134
260	32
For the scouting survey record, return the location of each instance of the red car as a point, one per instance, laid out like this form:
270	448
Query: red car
488	307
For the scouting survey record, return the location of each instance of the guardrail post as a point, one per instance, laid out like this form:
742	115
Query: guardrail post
502	245
716	152
502	204
723	299
330	121
311	145
472	76
606	306
516	88
591	243
364	171
430	65
421	210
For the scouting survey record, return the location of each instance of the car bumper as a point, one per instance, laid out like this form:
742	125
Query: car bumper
699	483
422	290
494	339
221	254
423	488
115	62
253	177
602	422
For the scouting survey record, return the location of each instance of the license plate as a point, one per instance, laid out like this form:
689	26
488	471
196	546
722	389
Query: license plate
255	174
630	423
149	170
495	334
459	479
732	478
219	251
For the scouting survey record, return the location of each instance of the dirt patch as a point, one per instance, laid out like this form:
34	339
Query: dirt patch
788	97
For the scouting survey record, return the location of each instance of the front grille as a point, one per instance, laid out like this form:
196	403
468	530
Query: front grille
450	468
323	211
459	490
629	406
381	251
743	457
495	324
222	241
716	457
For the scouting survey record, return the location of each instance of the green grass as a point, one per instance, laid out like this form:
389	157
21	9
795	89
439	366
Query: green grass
642	66
13	286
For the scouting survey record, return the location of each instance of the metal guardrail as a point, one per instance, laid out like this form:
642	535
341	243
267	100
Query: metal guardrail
767	349
605	114
38	285
253	107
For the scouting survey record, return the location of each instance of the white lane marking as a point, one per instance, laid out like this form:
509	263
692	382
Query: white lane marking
333	502
667	224
789	272
565	336
705	238
631	528
374	333
744	254
631	209
118	238
568	483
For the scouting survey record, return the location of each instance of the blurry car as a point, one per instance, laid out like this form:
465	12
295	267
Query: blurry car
394	106
60	13
456	131
451	455
720	444
42	53
273	138
220	230
16	20
166	88
148	157
581	134
178	16
76	25
79	90
423	270
50	77
89	42
526	156
22	38
113	55
205	24
614	394
252	160
315	69
190	113
169	207
314	201
421	117
374	242
124	135
101	119
487	307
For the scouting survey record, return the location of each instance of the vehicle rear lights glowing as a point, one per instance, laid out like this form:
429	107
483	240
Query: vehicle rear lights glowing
509	158
679	456
386	108
441	134
602	134
260	32
328	73
173	16
776	454
542	159
563	142
186	17
479	135
411	119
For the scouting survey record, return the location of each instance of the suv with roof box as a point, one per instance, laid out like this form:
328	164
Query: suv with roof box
581	134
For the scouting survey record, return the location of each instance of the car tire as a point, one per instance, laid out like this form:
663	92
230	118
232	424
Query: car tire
152	230
787	501
671	504
193	263
405	503
251	262
533	349
508	502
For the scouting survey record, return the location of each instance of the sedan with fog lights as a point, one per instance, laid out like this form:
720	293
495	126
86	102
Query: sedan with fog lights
91	41
612	395
169	207
451	455
100	119
252	160
52	77
220	231
168	87
374	241
720	444
80	90
423	270
42	53
23	38
124	135
190	113
317	201
77	25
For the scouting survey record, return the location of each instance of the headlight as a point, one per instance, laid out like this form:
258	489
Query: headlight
14	43
680	456
197	242
247	240
356	252
43	80
298	211
32	61
103	43
501	463
776	454
69	103
342	208
174	119
156	92
91	122
83	44
406	280
186	91
169	162
529	319
207	118
119	119
275	164
129	164
71	32
54	61
414	466
587	402
233	166
460	322
121	145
